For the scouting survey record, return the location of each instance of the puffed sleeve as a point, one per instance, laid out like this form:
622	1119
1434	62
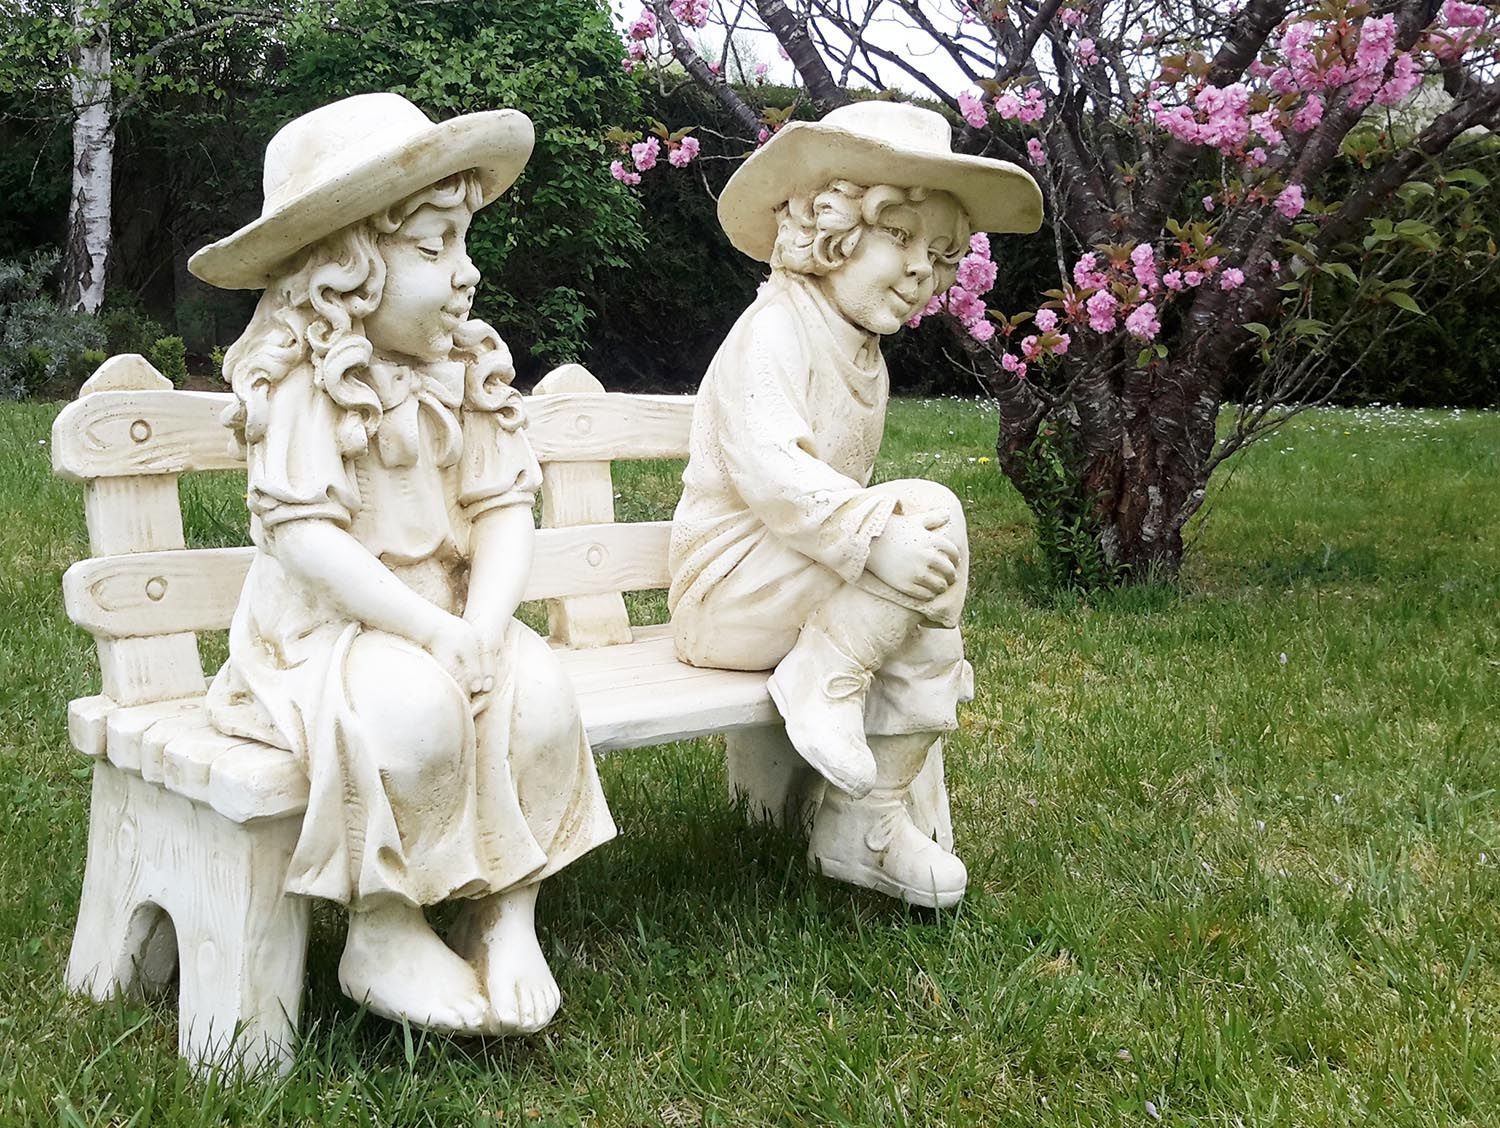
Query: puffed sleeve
767	442
498	467
295	467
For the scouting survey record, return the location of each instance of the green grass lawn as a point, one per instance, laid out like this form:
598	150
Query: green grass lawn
1234	850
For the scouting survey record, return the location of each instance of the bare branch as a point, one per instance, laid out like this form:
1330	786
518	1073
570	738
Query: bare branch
791	32
693	63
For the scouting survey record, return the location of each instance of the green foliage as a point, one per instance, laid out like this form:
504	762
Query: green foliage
1450	355
543	248
1409	310
41	344
169	356
1069	556
128	328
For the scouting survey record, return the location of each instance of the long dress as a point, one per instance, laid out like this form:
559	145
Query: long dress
421	823
777	512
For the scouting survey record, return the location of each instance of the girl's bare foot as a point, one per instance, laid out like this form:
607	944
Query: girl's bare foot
498	934
395	964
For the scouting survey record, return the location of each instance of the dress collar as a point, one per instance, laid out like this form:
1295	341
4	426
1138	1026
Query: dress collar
406	392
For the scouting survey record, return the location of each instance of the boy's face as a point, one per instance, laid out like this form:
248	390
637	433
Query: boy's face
893	271
429	285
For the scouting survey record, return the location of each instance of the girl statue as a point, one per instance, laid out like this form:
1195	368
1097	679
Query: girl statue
390	493
783	555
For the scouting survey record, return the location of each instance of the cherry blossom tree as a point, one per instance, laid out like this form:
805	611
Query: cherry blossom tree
1230	187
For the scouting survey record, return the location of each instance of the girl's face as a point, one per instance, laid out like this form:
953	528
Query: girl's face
429	285
893	271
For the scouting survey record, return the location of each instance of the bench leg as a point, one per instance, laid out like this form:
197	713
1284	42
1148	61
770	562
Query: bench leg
169	883
767	775
777	785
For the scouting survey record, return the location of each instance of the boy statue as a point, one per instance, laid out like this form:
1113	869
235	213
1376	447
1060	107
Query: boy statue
783	555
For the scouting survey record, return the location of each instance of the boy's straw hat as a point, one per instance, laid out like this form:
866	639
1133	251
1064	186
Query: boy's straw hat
350	159
872	143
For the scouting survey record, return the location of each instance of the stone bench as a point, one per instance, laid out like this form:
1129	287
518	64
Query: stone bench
190	831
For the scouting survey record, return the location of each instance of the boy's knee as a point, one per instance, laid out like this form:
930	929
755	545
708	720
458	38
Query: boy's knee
918	495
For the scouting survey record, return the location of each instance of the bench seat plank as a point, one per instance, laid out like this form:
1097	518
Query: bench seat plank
631	695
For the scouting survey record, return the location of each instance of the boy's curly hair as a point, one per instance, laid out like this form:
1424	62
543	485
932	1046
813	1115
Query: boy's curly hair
816	232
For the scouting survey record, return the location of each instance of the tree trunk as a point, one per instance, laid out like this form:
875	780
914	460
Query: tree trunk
1114	474
86	253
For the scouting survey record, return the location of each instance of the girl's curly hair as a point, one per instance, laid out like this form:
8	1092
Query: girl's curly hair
313	312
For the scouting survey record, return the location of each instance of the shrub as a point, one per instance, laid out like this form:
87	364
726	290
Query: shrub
40	343
127	327
169	356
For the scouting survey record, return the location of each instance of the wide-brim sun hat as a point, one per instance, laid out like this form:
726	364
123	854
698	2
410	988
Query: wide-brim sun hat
349	160
871	143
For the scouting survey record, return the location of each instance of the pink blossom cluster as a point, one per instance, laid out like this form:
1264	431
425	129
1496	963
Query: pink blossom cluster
1462	26
1045	342
1319	60
1142	322
1458	14
1119	288
694	13
644	156
971	106
964	300
644	26
1026	107
1087	52
1218	117
1291	202
1073	17
683	152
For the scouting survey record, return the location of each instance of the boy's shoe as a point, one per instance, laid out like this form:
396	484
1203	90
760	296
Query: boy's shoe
873	843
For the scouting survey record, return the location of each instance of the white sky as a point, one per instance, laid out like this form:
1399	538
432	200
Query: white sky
891	30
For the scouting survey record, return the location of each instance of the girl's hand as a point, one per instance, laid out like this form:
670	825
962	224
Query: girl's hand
914	556
459	650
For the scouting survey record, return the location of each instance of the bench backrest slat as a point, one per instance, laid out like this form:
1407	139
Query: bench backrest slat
133	512
146	594
117	433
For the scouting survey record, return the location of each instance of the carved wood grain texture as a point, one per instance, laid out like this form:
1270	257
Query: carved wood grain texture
112	434
586	426
239	942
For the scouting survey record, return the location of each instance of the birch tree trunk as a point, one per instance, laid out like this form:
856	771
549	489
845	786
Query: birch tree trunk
90	207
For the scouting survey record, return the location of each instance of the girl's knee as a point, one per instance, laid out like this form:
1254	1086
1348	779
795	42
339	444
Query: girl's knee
545	713
405	700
